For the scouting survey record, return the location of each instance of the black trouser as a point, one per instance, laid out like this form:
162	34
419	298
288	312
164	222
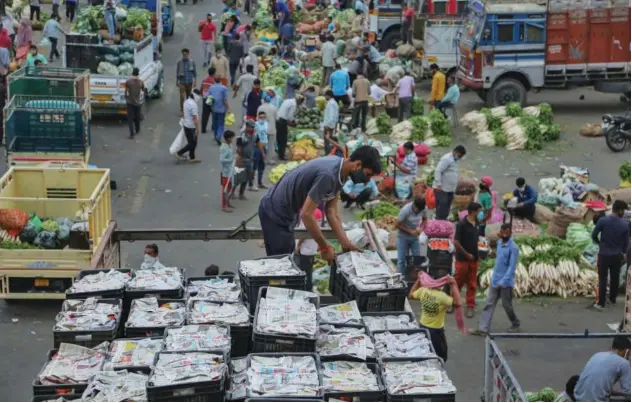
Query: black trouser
35	10
191	143
444	202
133	119
281	127
352	77
278	239
344	98
70	10
442	106
53	48
360	108
55	10
233	72
526	212
248	164
608	265
206	113
439	342
360	199
306	263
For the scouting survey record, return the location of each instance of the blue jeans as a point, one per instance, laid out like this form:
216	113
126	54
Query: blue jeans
110	20
406	243
217	125
259	165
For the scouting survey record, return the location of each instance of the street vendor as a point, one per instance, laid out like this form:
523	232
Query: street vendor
409	223
358	193
409	164
377	91
527	198
300	191
35	58
330	117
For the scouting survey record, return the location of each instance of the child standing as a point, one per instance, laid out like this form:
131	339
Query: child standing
227	162
261	134
485	200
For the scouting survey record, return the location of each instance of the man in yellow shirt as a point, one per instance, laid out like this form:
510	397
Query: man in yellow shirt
434	303
438	86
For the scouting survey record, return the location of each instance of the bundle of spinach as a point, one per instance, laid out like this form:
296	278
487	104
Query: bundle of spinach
624	171
383	122
440	127
553	132
532	131
513	109
418	108
493	122
500	137
546	114
420	126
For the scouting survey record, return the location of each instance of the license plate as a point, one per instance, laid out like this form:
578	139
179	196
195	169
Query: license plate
40	282
102	98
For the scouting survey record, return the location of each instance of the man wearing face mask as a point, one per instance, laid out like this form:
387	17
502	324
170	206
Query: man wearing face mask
466	256
527	198
503	282
150	260
409	223
300	191
445	180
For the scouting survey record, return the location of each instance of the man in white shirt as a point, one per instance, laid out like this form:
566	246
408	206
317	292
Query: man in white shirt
284	117
330	118
242	87
271	117
328	53
190	121
251	60
377	92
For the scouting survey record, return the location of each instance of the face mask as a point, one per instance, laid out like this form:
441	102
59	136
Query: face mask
358	177
149	259
522	188
196	97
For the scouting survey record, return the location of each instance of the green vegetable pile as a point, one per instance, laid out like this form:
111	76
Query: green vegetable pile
309	118
440	127
137	17
545	395
315	77
381	210
624	171
50	225
420	126
418	108
493	122
500	137
89	19
513	110
8	244
384	124
533	133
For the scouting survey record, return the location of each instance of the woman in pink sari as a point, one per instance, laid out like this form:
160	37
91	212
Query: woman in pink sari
25	33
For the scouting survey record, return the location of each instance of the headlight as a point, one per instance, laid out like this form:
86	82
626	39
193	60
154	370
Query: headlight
606	119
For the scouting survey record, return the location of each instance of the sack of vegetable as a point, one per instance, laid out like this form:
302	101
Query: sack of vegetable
107	68
591	130
439	229
406	51
46	240
127	57
461	201
13	219
125	69
113	60
31	229
542	214
465	186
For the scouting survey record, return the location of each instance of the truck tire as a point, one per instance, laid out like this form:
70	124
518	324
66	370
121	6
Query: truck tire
390	39
160	88
505	91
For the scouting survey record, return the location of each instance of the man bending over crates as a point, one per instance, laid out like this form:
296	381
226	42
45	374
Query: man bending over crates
307	186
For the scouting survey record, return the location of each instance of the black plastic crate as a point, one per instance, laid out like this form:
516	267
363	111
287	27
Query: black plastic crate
393	299
250	285
230	278
54	397
201	326
361	396
426	397
439	258
409	331
333	285
56	390
270	343
118	293
286	398
192	391
344	357
89	338
176	293
137	369
152	331
388	313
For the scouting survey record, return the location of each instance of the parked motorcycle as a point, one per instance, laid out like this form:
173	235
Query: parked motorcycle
616	129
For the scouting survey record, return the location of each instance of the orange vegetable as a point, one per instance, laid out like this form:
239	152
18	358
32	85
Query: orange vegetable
439	244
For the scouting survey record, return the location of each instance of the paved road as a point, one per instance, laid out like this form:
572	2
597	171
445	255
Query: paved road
155	192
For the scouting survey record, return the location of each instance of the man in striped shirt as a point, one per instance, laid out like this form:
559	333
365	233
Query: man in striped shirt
409	165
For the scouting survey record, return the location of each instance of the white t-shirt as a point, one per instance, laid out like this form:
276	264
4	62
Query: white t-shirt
377	92
189	109
287	109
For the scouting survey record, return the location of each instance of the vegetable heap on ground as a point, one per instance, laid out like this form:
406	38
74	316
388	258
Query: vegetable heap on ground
308	118
433	129
550	266
278	171
513	127
625	172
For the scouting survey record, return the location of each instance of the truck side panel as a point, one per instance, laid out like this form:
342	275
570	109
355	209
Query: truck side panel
600	36
620	25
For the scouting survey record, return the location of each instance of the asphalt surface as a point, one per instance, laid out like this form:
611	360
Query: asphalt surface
155	192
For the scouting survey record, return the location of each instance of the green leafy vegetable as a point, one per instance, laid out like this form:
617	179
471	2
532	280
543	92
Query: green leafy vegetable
500	137
493	122
420	126
513	109
624	171
535	137
546	114
418	108
383	122
553	132
440	127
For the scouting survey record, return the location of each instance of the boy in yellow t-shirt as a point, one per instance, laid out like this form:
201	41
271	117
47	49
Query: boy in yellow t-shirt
434	303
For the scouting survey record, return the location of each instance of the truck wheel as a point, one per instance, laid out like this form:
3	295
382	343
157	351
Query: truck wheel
160	88
506	91
389	41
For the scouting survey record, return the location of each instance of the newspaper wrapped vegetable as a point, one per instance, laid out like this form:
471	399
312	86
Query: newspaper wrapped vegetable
118	386
197	338
146	312
176	368
156	279
73	364
287	312
341	340
394	345
87	315
237	389
231	314
215	289
425	377
282	376
345	376
269	267
125	353
341	313
389	322
101	281
367	271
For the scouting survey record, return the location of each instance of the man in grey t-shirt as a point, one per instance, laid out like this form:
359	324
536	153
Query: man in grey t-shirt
300	191
409	221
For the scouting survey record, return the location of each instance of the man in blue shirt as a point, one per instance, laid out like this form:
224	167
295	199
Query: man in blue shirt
218	94
281	14
286	34
613	245
502	284
186	73
340	83
358	193
527	198
451	97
